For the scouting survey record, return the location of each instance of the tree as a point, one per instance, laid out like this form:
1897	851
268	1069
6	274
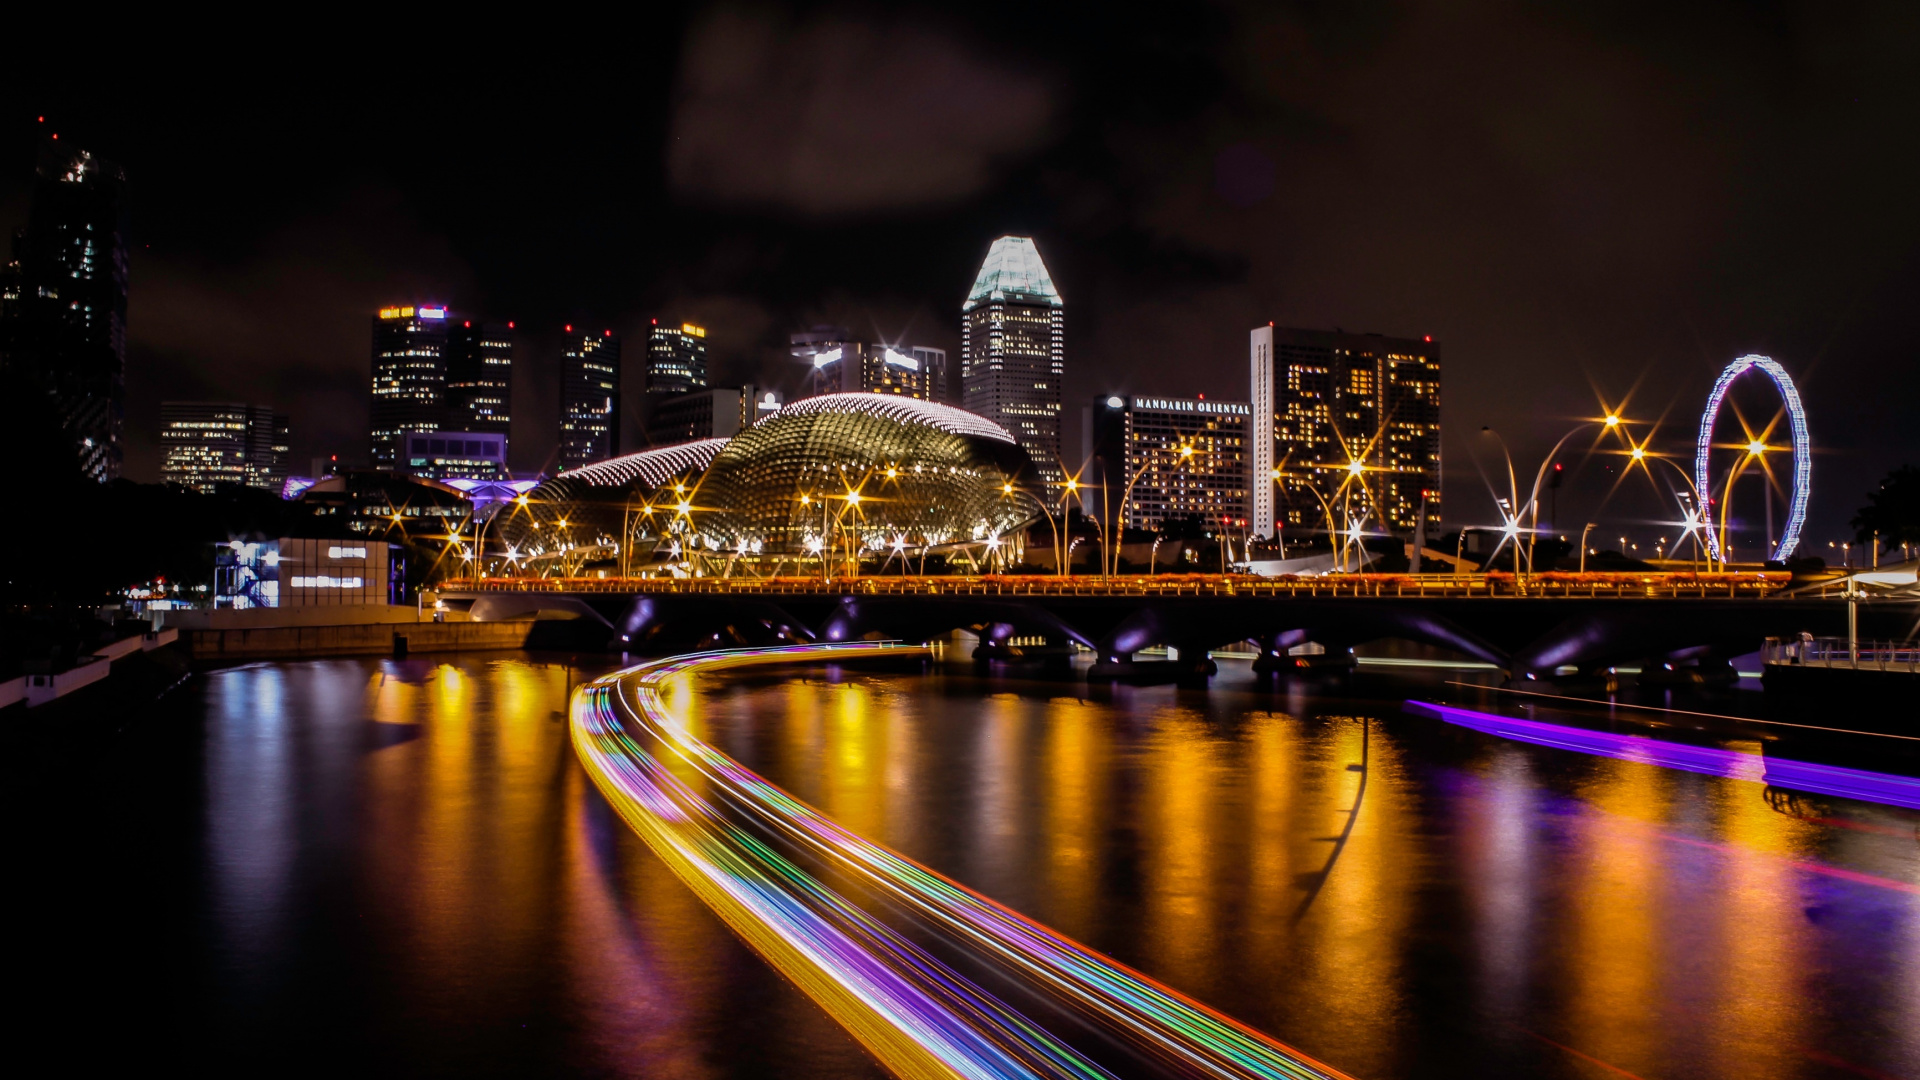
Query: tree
1893	511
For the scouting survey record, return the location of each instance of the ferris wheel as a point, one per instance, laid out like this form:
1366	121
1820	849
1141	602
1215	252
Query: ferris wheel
1802	453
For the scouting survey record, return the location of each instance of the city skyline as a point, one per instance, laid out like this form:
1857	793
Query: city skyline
1559	276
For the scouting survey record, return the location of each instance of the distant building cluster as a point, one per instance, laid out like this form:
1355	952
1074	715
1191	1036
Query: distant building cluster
1333	427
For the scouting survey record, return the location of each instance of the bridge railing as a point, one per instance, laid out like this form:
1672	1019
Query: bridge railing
1608	586
1835	652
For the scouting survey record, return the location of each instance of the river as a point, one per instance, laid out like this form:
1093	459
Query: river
398	868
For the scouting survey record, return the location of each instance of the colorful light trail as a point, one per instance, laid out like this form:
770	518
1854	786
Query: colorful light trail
729	835
1806	776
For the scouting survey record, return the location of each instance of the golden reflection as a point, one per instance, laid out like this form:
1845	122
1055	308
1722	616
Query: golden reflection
853	777
1180	903
1757	1001
1358	894
1273	763
1078	749
1617	945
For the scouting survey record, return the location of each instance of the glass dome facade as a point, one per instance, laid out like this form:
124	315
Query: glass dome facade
851	473
879	471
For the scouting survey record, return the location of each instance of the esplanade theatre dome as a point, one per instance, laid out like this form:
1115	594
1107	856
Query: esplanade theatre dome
851	473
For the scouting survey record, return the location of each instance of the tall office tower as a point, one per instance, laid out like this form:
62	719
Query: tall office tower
63	301
1326	404
1145	437
589	398
676	359
934	363
206	443
1012	354
409	377
480	377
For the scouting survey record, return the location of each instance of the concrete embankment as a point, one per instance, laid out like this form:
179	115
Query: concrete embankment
215	637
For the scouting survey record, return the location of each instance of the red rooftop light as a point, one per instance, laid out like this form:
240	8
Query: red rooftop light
569	328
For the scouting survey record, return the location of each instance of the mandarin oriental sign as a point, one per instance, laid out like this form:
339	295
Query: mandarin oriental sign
1225	408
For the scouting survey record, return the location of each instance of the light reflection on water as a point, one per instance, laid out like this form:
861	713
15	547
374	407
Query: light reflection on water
404	870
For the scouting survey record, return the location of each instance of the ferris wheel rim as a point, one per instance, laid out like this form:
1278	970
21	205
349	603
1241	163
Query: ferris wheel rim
1802	451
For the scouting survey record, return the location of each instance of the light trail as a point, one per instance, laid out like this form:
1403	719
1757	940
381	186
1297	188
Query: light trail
701	812
1884	788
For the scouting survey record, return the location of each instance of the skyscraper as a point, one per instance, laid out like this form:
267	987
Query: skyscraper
589	397
63	301
1186	457
676	359
1336	408
207	443
480	377
1012	352
409	376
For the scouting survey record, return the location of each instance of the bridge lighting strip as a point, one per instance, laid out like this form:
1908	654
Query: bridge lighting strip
687	801
1859	784
1802	450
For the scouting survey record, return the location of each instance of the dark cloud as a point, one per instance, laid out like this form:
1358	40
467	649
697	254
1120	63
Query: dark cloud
285	323
835	115
1576	199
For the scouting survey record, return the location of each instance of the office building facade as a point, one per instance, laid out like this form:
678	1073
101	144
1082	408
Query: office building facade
838	364
589	398
676	359
207	443
1012	354
1144	437
306	572
1328	402
63	302
446	455
718	413
480	377
409	377
934	363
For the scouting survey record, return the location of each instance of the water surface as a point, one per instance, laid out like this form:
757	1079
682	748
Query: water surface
397	868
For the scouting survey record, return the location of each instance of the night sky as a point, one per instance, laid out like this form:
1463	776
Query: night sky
1575	199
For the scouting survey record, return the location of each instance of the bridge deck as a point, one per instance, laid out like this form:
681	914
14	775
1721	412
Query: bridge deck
1557	586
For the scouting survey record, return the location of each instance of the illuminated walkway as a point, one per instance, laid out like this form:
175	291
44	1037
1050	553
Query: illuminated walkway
780	874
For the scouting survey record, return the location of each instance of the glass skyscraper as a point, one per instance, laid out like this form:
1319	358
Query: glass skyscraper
1012	352
409	377
589	398
63	301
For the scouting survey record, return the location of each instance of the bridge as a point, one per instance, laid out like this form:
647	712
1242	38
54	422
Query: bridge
1535	625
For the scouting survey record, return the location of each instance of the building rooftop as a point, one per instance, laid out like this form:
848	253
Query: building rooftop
1013	271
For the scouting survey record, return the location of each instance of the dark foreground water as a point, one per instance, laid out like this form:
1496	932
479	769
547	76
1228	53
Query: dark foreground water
396	868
